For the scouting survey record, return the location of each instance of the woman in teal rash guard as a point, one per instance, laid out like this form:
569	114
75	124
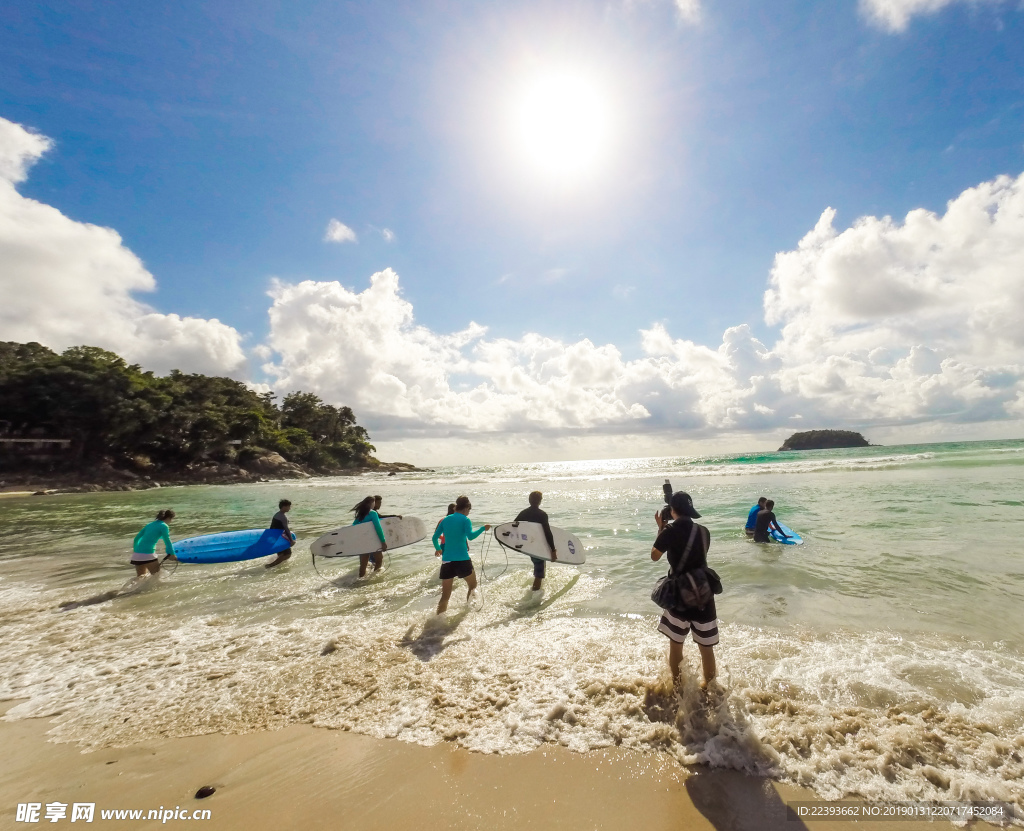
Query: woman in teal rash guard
457	531
364	513
144	547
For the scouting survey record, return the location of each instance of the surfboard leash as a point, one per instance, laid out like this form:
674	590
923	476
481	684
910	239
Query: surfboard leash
483	565
484	545
319	573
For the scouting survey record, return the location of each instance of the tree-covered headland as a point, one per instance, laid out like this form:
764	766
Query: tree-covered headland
115	413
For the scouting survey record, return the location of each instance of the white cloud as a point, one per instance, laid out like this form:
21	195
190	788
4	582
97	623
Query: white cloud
689	10
388	234
67	283
339	232
366	350
885	323
895	15
919	319
19	150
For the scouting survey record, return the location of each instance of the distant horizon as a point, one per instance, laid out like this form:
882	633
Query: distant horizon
733	453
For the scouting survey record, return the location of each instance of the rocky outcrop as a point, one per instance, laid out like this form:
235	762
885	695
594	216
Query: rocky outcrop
276	466
129	474
824	440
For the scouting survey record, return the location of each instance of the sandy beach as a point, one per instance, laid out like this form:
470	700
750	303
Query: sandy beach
310	778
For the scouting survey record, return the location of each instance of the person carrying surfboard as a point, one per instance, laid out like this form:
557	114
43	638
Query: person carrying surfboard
377	500
752	516
765	520
457	531
279	522
144	545
364	513
535	514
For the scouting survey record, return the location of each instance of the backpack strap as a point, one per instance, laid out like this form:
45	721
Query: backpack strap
686	551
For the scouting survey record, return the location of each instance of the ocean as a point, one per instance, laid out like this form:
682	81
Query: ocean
883	659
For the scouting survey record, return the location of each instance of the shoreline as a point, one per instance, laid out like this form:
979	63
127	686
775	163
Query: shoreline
30	483
310	777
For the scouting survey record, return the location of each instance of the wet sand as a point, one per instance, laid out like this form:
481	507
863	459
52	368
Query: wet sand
310	778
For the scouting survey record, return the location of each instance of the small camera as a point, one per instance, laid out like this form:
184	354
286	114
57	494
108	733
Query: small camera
666	512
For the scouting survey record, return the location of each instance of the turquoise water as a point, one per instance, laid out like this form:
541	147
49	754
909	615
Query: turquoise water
884	657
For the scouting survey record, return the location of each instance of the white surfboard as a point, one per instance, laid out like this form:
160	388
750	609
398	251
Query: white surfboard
528	538
354	540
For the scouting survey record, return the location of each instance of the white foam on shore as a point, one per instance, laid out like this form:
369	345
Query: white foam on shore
869	714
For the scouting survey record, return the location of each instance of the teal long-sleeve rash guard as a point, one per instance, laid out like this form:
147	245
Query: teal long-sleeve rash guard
458	531
373	517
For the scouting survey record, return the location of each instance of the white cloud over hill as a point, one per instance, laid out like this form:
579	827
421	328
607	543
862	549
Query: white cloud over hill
66	283
884	323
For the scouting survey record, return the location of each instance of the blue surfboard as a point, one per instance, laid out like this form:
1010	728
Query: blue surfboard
231	546
794	537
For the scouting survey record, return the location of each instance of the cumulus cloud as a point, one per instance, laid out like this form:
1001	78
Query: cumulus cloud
884	323
338	231
895	15
365	349
912	319
66	283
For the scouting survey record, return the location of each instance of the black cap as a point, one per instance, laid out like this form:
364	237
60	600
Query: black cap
683	505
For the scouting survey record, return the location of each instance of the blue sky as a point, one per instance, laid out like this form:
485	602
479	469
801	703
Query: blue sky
220	139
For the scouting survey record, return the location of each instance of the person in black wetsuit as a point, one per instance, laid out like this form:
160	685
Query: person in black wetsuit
280	523
765	520
535	514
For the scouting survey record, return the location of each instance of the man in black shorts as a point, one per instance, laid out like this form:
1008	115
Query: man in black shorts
535	514
675	623
280	523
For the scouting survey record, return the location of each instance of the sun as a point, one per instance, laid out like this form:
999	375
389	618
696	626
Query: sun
561	126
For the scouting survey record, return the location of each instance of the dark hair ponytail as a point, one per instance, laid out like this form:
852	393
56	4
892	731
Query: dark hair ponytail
363	508
451	508
163	516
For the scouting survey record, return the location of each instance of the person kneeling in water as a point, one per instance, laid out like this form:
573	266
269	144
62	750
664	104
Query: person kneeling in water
144	546
752	516
765	522
455	562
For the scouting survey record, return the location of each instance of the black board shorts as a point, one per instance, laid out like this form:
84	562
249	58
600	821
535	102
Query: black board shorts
702	624
456	568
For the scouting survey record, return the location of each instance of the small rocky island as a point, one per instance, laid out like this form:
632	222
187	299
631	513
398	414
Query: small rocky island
824	440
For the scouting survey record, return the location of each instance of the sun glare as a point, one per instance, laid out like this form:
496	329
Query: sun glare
561	126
